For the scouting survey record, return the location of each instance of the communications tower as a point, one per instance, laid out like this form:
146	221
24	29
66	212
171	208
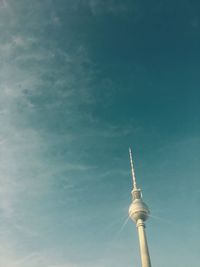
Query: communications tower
139	212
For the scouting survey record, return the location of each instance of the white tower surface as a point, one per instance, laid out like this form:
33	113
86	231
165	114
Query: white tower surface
139	212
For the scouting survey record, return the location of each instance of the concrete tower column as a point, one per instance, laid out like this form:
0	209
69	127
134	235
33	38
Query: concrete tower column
144	251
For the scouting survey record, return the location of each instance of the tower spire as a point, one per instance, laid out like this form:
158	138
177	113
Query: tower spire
132	170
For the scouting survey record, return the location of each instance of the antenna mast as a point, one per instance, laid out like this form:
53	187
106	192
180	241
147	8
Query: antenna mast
132	170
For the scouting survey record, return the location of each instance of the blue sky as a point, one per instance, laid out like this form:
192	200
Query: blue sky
80	82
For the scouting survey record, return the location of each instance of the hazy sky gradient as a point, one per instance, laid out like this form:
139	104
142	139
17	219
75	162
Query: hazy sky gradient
80	82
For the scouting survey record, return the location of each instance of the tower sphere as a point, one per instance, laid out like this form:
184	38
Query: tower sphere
138	210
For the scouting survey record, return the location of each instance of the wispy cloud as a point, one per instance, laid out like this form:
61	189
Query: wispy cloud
3	3
42	87
10	259
109	7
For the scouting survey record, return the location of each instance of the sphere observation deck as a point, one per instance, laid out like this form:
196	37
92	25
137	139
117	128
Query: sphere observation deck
138	210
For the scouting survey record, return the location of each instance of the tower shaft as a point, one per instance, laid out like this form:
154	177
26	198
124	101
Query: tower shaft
144	251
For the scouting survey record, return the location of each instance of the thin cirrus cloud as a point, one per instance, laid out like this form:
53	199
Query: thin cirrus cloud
107	7
26	173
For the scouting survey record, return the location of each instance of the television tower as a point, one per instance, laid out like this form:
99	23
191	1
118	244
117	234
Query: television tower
139	212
